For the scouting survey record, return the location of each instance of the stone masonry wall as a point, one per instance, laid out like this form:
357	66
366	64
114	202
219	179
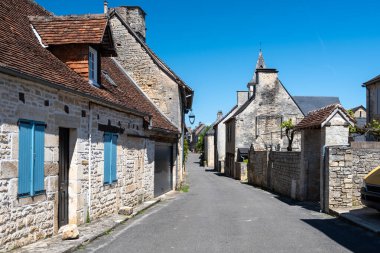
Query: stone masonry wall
25	220
159	87
347	166
260	123
281	173
285	173
132	155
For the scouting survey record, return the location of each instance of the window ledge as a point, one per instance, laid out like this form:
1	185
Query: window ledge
29	200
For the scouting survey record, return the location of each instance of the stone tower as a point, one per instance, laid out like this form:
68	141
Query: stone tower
260	64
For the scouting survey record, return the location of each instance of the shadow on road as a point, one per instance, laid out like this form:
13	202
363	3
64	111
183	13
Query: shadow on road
313	206
352	238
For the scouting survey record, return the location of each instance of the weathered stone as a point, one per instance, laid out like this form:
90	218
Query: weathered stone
69	232
8	169
126	210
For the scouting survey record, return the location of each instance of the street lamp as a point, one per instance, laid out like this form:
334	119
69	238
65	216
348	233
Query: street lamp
192	117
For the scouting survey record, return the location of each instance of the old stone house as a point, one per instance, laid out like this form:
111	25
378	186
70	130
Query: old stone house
209	143
220	133
172	96
79	138
373	98
258	121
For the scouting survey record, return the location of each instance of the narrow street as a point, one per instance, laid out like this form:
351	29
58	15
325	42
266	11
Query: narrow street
220	214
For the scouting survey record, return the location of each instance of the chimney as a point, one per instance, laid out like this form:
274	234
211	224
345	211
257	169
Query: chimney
219	115
135	17
242	97
105	7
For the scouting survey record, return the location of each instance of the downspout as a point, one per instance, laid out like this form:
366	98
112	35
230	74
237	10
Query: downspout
323	190
89	159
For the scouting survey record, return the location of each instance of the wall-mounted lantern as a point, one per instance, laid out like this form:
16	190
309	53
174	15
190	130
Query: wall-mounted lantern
191	117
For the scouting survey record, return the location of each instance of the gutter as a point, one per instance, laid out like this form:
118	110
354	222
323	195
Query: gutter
94	99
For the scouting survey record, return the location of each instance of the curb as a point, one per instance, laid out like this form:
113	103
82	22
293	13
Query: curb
136	212
354	221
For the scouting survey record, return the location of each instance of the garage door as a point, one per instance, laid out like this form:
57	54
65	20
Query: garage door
163	169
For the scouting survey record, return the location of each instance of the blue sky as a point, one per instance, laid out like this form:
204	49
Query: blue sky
320	48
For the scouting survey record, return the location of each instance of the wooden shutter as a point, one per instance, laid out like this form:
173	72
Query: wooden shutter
107	158
25	158
39	154
114	158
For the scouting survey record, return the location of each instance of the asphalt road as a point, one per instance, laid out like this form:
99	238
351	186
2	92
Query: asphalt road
220	214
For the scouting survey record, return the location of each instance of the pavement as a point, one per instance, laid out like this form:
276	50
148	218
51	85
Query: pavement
364	217
220	214
88	232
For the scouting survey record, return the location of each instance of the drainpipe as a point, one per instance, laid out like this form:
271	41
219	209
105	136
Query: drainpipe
89	158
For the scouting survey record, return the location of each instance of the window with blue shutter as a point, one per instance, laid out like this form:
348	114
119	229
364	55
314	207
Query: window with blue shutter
31	158
110	157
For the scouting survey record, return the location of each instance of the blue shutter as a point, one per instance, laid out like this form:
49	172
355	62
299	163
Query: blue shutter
39	154
114	158
25	158
107	158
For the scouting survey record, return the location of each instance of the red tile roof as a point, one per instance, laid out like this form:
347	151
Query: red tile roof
315	118
21	53
58	30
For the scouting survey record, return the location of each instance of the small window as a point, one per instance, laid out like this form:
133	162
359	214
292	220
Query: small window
31	158
93	66
110	157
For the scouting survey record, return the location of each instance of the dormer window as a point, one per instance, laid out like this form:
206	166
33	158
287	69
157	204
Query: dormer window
93	66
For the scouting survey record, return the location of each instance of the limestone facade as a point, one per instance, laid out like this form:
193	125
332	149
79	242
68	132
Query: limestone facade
157	81
258	121
27	219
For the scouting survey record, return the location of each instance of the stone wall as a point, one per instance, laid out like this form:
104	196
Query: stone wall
159	87
241	171
345	169
286	173
277	171
28	219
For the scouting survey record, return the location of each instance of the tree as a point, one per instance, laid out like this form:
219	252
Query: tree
372	128
290	131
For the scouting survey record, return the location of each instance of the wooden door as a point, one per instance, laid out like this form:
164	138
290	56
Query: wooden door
64	165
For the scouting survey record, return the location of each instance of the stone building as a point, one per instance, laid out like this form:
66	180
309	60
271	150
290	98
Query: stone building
79	138
209	143
373	98
172	96
325	127
195	135
258	120
220	133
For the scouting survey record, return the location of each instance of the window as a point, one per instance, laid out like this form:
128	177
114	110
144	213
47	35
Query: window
31	158
110	157
93	66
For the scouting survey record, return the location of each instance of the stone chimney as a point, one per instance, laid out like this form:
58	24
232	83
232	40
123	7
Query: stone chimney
105	7
135	17
219	115
242	97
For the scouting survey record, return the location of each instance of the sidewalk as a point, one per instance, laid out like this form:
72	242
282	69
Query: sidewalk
364	217
88	232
